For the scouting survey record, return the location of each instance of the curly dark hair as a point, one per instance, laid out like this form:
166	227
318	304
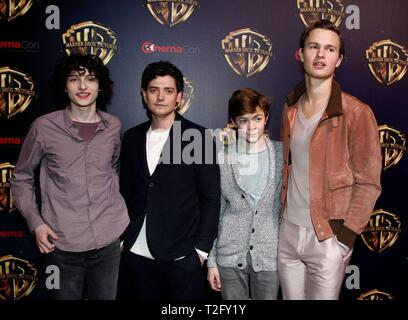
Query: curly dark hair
161	69
77	62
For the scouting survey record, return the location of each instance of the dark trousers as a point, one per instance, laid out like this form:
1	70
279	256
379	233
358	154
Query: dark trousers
146	279
94	272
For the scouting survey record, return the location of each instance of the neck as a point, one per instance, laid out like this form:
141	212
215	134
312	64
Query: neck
317	95
164	123
84	114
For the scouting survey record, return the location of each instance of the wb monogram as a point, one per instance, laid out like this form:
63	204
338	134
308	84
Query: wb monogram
17	276
171	12
90	38
393	145
246	51
11	9
16	91
388	61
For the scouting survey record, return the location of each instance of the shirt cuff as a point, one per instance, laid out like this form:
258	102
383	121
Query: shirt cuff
202	254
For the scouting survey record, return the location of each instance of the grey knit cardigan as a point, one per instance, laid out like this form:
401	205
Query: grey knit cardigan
244	229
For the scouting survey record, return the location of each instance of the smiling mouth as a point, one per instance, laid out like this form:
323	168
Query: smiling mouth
83	95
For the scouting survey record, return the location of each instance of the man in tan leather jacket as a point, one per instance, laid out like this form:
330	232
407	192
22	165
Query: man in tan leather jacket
332	168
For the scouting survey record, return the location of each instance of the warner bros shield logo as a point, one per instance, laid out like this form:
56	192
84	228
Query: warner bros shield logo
382	231
18	278
388	61
90	38
6	198
188	96
246	51
312	10
171	12
16	91
11	9
375	295
393	145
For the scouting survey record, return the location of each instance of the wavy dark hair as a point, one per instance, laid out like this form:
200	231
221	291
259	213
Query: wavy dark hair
77	62
160	69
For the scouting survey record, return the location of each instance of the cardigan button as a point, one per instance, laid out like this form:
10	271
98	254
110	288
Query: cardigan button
242	196
239	265
151	184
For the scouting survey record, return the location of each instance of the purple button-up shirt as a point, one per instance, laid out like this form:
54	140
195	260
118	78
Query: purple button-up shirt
79	182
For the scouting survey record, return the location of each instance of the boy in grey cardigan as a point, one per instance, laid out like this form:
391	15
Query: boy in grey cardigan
242	262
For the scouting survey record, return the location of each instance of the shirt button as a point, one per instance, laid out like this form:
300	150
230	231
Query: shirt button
251	247
242	196
239	265
319	225
151	184
321	233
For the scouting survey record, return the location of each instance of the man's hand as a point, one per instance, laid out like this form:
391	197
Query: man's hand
213	278
42	234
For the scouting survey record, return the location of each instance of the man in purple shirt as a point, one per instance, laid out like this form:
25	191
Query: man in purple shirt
82	212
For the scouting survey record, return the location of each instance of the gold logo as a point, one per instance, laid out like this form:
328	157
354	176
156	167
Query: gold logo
6	198
381	231
228	135
375	295
388	61
393	145
188	96
90	38
17	278
312	10
247	52
11	9
171	12
16	91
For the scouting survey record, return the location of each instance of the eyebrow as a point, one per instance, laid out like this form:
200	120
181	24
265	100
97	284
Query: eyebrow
325	45
155	87
255	116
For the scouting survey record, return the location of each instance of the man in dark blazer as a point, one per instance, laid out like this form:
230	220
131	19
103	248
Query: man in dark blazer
171	184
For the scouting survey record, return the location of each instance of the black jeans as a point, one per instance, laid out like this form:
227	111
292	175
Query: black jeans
155	280
94	271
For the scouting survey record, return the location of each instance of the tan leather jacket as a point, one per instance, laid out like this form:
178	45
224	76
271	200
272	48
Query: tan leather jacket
345	164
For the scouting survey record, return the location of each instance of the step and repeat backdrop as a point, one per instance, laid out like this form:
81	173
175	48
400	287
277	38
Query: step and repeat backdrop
220	45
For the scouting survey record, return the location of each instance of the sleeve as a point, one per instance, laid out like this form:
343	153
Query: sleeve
22	184
212	257
209	190
365	154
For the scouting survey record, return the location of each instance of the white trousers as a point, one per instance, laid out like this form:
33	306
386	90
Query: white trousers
309	269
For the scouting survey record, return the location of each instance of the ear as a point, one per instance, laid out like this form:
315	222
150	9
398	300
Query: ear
301	57
144	95
179	96
339	61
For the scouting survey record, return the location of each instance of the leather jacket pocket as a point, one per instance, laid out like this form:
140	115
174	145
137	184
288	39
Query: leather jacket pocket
340	193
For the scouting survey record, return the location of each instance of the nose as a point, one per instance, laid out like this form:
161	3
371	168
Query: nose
82	84
320	52
160	95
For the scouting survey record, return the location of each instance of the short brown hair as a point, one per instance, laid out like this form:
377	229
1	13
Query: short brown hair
246	100
326	25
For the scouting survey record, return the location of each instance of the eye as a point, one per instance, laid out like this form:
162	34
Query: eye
91	78
169	91
259	119
72	78
152	90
